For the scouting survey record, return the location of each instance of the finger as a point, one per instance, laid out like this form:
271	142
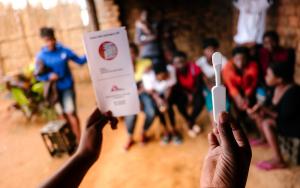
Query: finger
100	124
113	120
217	135
94	117
212	141
240	136
225	132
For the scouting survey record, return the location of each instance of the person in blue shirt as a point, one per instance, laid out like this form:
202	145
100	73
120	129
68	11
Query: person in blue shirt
54	57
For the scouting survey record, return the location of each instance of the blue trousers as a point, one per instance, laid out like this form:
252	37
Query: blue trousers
147	103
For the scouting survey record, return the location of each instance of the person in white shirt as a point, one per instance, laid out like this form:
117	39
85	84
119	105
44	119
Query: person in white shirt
251	22
159	84
210	46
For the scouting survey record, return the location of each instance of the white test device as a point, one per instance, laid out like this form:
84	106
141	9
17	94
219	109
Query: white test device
218	91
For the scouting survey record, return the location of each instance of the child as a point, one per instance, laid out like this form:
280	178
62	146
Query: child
210	46
188	90
159	84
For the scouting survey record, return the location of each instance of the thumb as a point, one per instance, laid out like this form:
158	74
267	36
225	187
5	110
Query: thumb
225	132
97	119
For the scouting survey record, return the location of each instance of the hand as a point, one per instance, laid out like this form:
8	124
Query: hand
190	98
240	102
159	101
254	109
74	170
91	141
227	162
162	105
209	82
53	77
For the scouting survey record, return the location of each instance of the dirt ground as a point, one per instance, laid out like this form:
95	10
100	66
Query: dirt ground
24	160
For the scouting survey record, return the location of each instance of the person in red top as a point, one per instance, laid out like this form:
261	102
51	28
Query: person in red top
271	52
241	76
188	90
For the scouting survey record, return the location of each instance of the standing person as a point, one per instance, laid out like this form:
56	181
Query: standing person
159	84
140	67
210	46
188	90
147	38
55	57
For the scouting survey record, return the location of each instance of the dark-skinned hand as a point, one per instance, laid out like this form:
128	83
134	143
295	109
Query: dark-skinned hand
228	159
91	141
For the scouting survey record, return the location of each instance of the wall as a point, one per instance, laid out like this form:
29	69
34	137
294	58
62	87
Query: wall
288	27
197	19
19	32
19	38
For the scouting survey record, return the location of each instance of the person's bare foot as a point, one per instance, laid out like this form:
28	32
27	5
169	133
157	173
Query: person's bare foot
270	165
129	144
258	142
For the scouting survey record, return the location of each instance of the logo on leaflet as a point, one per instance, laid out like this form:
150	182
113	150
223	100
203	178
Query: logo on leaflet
115	88
108	50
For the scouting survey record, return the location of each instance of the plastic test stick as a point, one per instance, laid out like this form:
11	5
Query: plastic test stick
218	91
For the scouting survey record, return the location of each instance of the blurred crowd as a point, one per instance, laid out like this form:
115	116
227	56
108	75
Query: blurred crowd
261	93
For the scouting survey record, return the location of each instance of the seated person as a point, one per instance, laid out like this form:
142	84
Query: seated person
19	88
140	67
240	76
283	118
159	84
210	46
271	52
226	163
188	90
